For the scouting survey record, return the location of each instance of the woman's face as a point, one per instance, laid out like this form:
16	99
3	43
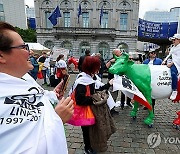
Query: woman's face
17	61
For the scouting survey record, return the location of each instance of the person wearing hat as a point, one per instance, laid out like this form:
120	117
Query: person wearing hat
175	64
152	60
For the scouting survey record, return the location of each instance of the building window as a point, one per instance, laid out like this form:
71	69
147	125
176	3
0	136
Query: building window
1	8
66	45
2	18
66	19
104	50
48	22
104	20
85	19
83	47
123	47
123	21
49	44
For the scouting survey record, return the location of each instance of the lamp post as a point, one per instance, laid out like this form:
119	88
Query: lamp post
178	26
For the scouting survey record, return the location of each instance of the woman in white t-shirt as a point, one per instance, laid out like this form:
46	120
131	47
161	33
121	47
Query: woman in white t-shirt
61	67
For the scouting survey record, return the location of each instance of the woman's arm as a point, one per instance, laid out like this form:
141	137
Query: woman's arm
106	86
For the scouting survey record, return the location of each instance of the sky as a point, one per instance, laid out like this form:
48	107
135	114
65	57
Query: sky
145	5
161	5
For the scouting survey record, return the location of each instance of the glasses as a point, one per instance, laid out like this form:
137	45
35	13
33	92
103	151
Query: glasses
24	46
152	52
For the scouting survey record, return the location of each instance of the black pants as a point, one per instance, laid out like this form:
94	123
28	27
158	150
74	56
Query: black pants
115	95
153	104
85	130
123	99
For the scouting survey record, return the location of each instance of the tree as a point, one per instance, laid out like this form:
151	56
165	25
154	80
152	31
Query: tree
28	35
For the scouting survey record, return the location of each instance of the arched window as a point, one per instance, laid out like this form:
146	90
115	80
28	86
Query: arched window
104	50
66	19
123	21
49	44
83	47
48	23
85	19
125	9
66	45
104	20
123	47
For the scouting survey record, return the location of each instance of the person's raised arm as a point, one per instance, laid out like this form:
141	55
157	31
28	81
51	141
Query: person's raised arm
108	64
167	57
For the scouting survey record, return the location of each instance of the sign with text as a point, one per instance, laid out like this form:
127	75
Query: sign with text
157	30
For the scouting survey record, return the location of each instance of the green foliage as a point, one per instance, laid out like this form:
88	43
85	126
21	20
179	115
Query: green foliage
28	35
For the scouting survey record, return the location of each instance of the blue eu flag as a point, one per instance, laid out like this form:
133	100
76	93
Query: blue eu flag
79	12
101	15
56	14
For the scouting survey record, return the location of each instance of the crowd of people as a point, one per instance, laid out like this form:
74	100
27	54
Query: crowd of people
39	135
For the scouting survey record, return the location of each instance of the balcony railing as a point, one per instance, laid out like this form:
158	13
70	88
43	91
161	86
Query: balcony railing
84	31
75	32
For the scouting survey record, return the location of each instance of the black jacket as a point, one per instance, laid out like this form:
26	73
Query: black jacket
80	93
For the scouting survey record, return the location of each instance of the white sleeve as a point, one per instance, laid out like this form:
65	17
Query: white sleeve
52	96
57	64
65	65
168	56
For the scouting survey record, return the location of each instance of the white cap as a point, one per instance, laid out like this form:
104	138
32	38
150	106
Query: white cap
151	50
176	36
48	53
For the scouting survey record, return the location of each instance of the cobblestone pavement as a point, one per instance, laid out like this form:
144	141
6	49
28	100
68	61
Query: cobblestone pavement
131	135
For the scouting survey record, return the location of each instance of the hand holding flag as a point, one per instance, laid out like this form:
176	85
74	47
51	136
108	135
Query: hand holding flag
56	14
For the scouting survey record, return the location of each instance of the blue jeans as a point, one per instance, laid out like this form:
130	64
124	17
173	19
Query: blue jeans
174	73
48	72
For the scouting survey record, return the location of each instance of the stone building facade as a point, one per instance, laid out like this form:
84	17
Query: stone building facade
101	26
13	12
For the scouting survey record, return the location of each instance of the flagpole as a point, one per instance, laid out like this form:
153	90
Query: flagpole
178	27
101	14
79	12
